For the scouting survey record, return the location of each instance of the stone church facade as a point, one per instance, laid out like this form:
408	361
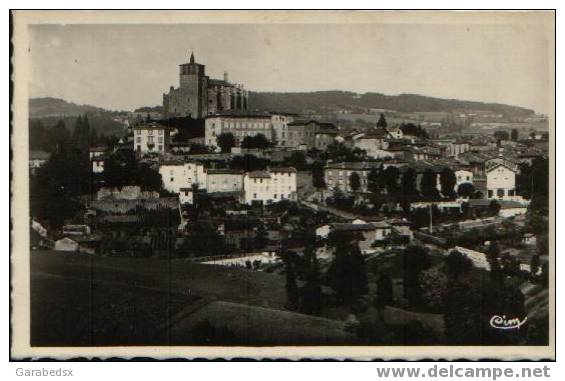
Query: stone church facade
198	95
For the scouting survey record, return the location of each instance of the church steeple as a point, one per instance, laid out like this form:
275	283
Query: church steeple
191	57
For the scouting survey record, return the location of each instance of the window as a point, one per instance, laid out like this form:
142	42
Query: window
254	195
490	193
160	147
160	140
500	192
138	139
275	196
149	132
511	192
172	179
150	139
161	132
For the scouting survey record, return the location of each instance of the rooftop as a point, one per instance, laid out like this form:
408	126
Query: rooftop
283	170
38	155
259	174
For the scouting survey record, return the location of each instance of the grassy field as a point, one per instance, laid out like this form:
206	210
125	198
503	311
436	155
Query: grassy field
79	299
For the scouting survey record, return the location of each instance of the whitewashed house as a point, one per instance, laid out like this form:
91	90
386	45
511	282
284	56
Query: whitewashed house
66	244
269	186
176	175
463	176
151	138
501	179
224	180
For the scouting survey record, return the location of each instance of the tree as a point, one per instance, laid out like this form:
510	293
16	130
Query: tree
433	283
416	260
545	274
535	264
501	135
413	130
291	286
56	186
82	134
382	121
391	175
408	184
494	208
447	180
249	163
261	238
466	190
226	141
297	160
259	141
37	136
514	134
375	181
384	295
493	258
346	275
311	293
462	318
354	181
318	180
458	263
428	185
205	240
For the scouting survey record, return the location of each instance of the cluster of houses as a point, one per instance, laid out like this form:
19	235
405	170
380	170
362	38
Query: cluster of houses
490	166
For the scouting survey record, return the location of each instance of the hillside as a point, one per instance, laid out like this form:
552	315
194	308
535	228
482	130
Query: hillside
322	100
55	107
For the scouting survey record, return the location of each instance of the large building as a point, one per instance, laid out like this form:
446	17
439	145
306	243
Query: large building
198	95
239	124
337	175
308	134
151	138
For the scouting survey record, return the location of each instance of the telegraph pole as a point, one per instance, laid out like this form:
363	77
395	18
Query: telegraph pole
431	222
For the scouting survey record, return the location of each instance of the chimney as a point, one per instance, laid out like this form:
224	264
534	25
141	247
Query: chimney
226	76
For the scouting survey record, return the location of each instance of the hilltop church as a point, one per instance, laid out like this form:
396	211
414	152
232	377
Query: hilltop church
198	95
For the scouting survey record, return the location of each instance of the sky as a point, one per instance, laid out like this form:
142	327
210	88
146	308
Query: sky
122	67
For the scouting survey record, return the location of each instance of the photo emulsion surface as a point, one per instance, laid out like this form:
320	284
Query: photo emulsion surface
323	179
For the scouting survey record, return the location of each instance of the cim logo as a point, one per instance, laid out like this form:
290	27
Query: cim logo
501	322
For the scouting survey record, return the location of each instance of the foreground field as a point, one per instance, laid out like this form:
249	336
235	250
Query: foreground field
86	300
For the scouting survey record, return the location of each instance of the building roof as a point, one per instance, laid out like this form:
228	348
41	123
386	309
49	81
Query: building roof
39	155
219	82
152	126
259	174
283	170
376	134
492	164
98	149
359	166
240	114
353	227
225	171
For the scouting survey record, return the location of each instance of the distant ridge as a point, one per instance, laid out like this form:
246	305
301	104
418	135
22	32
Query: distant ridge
55	107
317	101
320	100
